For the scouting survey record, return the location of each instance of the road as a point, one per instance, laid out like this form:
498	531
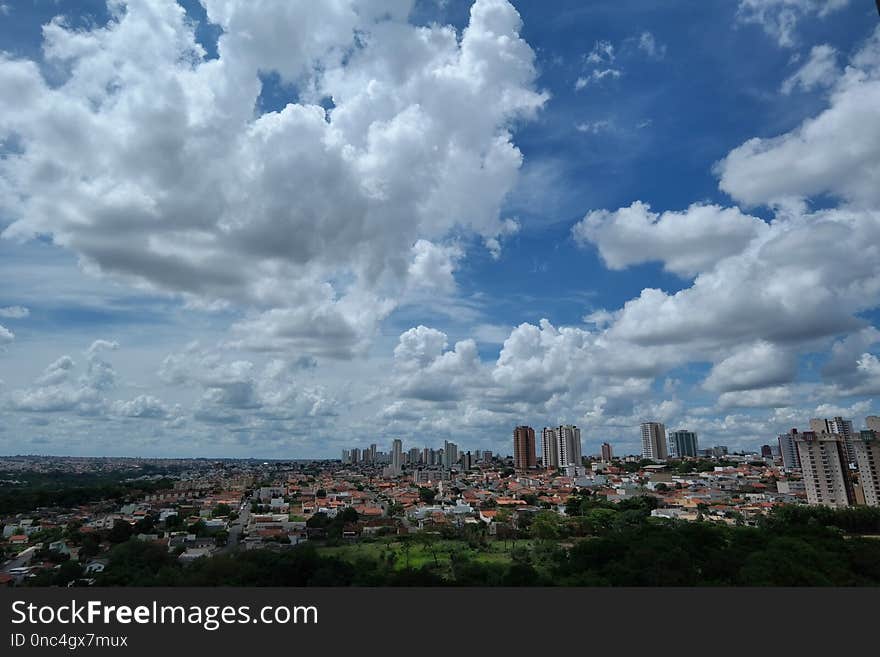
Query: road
236	527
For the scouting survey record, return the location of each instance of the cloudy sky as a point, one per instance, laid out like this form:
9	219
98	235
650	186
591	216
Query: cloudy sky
276	228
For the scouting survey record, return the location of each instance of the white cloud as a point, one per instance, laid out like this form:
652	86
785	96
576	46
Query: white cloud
142	406
596	76
835	153
14	312
593	127
685	242
820	70
57	390
649	45
433	266
239	392
778	289
6	336
171	182
779	18
602	53
757	365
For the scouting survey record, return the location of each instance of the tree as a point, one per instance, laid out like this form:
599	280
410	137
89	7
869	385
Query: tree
120	532
221	509
144	526
427	495
545	526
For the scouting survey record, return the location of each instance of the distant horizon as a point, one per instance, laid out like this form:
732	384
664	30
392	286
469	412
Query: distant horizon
226	231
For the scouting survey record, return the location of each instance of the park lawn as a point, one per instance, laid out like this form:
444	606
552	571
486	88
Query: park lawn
420	555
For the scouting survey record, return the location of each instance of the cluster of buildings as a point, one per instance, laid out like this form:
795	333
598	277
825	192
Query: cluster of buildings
561	447
243	504
839	465
395	461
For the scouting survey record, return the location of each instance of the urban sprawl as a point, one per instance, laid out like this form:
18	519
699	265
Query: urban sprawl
196	509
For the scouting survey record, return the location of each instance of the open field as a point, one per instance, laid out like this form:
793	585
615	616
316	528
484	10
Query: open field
438	553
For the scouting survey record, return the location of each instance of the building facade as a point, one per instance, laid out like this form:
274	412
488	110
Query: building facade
549	449
607	452
683	443
867	451
654	441
787	448
524	457
825	467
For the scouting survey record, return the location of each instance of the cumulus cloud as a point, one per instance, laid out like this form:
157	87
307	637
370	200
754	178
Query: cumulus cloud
835	153
757	365
685	242
820	70
58	390
240	392
142	406
778	289
14	312
171	181
426	371
6	336
780	18
433	266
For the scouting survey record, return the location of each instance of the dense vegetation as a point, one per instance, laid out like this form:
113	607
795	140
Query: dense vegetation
68	490
603	545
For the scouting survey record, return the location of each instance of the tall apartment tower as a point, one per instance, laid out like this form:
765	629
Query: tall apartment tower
825	465
683	443
842	428
450	454
873	423
790	458
549	448
397	455
607	452
524	456
654	441
568	438
867	449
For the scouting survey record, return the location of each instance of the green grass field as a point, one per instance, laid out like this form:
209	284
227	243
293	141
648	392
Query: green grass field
421	555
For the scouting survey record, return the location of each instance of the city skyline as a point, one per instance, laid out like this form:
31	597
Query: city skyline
438	219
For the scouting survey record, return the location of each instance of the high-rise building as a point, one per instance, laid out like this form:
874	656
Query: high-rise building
654	441
373	453
788	449
873	423
524	456
346	456
355	455
682	443
568	439
414	456
840	427
607	452
825	466
766	452
467	461
397	455
487	456
450	454
549	449
867	450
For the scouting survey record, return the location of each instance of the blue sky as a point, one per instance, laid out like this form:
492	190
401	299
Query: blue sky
277	229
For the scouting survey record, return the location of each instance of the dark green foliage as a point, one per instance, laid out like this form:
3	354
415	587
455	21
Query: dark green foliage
610	545
66	489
